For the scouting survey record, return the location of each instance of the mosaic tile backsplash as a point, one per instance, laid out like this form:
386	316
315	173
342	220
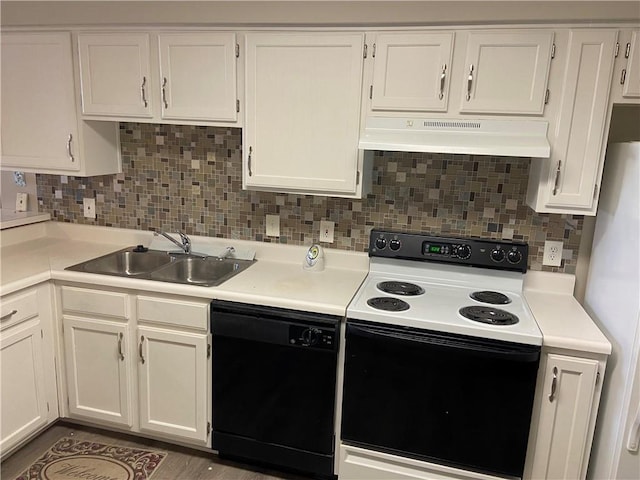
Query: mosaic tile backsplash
189	178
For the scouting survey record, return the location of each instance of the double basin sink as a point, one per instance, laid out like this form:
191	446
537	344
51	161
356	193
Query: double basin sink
141	263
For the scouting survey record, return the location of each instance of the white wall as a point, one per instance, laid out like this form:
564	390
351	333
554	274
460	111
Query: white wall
327	12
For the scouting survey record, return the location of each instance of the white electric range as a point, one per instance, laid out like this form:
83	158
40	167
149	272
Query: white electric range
441	359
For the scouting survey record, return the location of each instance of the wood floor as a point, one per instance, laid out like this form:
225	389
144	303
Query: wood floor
181	463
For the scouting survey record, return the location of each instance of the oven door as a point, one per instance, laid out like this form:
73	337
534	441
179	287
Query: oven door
455	400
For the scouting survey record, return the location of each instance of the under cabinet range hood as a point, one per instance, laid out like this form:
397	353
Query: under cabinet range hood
513	138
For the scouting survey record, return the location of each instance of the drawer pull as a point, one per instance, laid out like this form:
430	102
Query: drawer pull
120	346
9	315
554	384
140	349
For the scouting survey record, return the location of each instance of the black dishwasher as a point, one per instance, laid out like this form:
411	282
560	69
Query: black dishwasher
274	385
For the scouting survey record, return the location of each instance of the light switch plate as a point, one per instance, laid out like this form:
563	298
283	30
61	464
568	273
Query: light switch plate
273	226
21	201
89	207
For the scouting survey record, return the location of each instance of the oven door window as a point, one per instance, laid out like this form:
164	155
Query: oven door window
442	398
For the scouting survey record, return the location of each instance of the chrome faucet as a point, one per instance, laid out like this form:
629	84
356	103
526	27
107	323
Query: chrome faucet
184	245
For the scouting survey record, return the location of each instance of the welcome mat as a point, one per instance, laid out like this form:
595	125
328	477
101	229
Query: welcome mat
70	459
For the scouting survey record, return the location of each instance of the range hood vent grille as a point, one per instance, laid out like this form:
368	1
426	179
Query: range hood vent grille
436	124
514	137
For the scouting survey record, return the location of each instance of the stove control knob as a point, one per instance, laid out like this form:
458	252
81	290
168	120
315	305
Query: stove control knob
311	337
463	251
394	244
381	242
497	254
514	256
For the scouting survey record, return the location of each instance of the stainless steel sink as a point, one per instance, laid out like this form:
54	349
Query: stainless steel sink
165	267
208	271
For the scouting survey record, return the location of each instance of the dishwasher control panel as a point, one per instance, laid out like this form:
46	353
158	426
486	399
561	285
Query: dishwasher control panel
307	336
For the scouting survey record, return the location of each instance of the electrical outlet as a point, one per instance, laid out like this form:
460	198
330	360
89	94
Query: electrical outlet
89	207
326	231
552	253
273	225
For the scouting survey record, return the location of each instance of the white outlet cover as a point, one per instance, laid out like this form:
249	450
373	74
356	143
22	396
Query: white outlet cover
552	253
89	207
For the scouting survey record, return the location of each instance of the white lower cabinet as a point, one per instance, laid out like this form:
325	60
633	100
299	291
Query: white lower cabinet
138	362
98	372
566	405
172	378
28	388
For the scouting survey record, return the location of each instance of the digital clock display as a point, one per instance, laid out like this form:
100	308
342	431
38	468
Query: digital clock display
436	249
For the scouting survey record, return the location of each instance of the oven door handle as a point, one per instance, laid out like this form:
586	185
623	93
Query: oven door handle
516	353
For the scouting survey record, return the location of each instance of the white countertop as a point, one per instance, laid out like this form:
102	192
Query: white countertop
561	318
41	252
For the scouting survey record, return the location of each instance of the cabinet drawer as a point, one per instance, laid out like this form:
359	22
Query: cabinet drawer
18	308
87	301
171	311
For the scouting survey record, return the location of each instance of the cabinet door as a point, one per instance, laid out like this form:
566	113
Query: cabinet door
506	72
565	413
411	71
115	74
40	129
98	373
24	402
303	96
198	76
173	383
580	135
631	87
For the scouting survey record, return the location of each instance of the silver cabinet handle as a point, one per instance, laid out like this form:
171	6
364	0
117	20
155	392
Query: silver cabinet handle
69	140
469	82
164	92
120	346
554	384
249	161
9	315
144	93
557	181
443	77
140	349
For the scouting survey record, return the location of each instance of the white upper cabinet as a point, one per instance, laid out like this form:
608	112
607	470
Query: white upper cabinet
411	71
302	119
198	76
115	74
631	75
568	182
172	77
41	132
505	72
